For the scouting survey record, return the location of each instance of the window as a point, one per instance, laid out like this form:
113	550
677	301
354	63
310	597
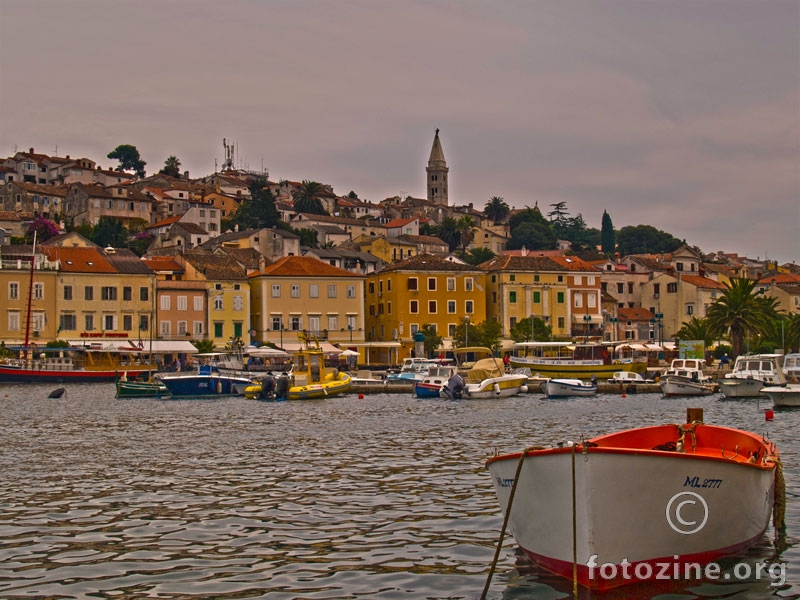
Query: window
13	290
38	320
388	285
13	321
413	307
451	284
332	291
294	290
38	291
468	284
218	286
469	307
218	304
181	327
109	322
412	284
182	303
679	266
620	288
561	322
313	290
512	297
296	323
578	298
88	293
451	329
630	288
127	322
560	279
590	280
512	322
127	293
144	322
690	309
67	292
351	291
238	303
512	277
414	328
656	289
164	303
276	323
144	294
371	287
432	307
276	290
88	322
197	328
537	297
591	300
389	307
108	293
313	323
217	329
352	322
198	303
451	307
560	297
672	288
237	329
431	284
333	322
67	323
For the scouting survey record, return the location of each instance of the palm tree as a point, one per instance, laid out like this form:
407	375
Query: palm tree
448	232
306	198
466	231
741	311
696	329
478	255
791	333
496	209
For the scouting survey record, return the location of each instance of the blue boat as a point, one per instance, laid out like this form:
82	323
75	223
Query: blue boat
207	381
432	383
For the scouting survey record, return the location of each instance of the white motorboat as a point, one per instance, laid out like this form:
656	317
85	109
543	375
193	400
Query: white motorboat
629	377
786	395
713	496
431	385
685	377
485	379
750	373
564	388
791	367
412	369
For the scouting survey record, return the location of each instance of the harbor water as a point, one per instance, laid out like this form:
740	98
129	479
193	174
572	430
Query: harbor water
384	497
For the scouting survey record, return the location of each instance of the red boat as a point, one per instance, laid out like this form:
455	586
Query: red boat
72	365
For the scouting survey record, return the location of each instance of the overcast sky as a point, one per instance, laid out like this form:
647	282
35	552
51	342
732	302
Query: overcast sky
680	114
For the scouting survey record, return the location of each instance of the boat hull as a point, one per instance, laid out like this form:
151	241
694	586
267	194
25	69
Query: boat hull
428	390
565	388
141	389
740	388
678	386
191	386
22	375
575	369
788	395
610	522
496	387
313	391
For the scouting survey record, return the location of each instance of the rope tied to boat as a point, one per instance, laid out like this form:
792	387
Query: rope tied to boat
506	518
683	430
779	501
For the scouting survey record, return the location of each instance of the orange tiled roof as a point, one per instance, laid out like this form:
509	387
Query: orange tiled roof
162	263
302	266
634	314
702	282
781	278
168	221
79	260
399	222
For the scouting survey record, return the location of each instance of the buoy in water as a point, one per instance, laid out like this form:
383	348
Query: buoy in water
769	414
361	396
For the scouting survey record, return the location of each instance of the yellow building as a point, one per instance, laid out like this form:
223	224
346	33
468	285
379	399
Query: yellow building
563	291
422	290
301	293
387	249
16	288
101	294
227	293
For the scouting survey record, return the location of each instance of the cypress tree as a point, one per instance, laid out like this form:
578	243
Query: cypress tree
607	235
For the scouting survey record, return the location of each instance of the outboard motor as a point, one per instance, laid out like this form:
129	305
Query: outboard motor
594	379
267	388
454	387
282	387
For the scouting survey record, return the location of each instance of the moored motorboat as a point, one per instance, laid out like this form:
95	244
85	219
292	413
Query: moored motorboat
750	373
206	381
150	388
687	511
412	370
485	379
431	384
571	360
783	395
564	388
685	377
628	377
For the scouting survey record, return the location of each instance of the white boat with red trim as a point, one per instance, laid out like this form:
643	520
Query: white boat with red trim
713	495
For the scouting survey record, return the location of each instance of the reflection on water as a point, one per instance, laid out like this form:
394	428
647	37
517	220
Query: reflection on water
384	497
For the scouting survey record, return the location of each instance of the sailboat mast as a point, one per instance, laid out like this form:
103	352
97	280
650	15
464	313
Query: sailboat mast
30	298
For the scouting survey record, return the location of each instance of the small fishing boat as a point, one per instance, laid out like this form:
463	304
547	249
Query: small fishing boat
750	373
579	506
685	377
152	388
564	388
310	378
206	381
431	385
412	370
485	379
629	377
786	395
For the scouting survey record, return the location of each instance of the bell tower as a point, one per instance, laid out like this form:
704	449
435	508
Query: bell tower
437	174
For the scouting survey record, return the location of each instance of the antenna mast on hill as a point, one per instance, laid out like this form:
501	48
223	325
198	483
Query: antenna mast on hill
228	164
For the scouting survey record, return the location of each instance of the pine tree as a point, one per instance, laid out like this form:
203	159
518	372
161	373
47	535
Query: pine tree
607	243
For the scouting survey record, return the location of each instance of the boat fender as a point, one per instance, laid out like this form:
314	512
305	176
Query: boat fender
523	389
219	387
496	388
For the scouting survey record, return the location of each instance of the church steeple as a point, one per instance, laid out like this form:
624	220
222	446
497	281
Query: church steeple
437	174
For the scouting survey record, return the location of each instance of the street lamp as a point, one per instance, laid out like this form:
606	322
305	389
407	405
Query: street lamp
533	334
587	319
281	333
466	331
660	319
614	321
350	329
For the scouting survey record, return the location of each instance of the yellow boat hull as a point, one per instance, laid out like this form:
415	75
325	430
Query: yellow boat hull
333	385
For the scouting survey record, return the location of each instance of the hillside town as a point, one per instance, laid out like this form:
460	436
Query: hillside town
350	272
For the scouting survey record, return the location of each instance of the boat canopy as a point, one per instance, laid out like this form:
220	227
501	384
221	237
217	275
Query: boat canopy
293	347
